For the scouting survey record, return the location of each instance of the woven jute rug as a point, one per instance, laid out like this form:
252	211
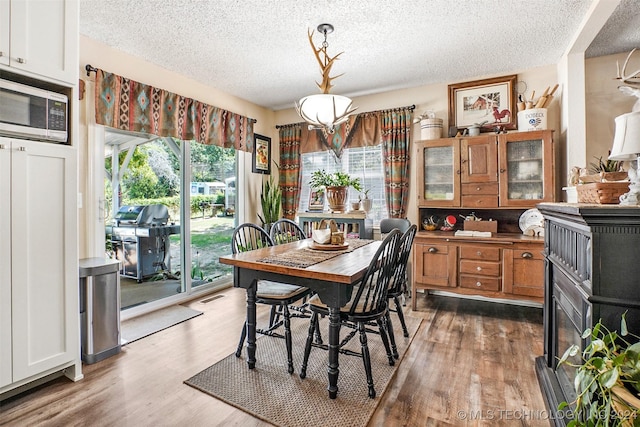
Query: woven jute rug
268	392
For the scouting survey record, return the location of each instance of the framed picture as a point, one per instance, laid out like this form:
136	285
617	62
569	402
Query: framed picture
261	154
316	201
488	101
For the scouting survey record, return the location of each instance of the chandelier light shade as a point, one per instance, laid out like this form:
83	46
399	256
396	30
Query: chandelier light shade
324	110
626	146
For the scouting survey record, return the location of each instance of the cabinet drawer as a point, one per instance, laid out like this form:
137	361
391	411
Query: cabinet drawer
480	188
479	253
479	201
482	268
480	283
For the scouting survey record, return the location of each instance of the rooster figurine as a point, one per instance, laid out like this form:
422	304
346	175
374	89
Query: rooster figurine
499	115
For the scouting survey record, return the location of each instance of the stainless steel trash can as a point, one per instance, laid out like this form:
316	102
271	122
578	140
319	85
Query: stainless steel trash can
99	308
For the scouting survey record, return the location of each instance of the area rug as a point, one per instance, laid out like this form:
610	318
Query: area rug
268	392
147	324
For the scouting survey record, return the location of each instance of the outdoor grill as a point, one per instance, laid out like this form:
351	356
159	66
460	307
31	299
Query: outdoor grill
140	237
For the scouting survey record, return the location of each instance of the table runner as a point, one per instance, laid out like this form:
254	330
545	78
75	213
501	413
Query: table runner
305	257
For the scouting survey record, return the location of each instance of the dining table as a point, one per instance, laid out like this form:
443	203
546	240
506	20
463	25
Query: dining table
331	274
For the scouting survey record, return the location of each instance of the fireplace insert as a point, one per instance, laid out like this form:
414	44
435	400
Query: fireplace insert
591	271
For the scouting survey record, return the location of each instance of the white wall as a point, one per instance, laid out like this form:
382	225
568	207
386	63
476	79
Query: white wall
605	101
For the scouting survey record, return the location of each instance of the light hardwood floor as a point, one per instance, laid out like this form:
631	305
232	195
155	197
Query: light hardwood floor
470	359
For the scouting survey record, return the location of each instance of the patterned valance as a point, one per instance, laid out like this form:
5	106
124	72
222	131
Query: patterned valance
360	130
125	104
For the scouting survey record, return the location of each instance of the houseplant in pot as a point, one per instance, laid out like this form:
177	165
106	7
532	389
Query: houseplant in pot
336	185
607	383
271	202
365	201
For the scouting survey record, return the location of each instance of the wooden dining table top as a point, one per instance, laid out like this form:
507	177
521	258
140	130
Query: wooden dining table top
348	267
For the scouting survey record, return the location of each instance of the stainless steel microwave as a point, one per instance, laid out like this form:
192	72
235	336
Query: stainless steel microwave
33	113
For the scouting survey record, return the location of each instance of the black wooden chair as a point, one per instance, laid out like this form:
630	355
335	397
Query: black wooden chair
368	304
388	224
286	231
398	282
402	224
247	237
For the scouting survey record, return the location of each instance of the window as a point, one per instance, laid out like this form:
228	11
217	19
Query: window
364	162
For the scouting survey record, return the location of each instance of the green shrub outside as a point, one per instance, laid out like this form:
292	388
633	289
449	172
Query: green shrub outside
173	203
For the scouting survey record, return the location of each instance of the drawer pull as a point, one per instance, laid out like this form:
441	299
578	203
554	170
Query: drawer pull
433	250
479	268
478	284
22	61
477	188
1	146
479	253
527	255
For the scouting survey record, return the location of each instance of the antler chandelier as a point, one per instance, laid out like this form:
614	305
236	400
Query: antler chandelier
324	110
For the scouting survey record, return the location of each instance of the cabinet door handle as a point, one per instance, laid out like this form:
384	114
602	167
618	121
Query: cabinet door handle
22	149
1	53
22	61
503	170
527	255
458	171
1	146
463	161
433	250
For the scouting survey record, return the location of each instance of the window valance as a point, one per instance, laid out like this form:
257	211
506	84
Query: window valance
360	130
126	104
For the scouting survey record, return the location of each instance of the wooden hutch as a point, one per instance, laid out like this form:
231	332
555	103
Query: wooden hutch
496	177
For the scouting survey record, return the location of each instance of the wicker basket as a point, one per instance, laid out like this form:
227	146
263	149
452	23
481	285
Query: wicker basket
603	193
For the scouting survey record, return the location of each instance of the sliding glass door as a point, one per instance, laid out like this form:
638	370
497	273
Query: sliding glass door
170	209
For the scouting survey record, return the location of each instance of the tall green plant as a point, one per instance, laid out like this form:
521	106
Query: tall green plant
271	201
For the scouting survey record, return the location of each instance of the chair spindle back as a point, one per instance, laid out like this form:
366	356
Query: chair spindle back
404	249
247	237
286	231
371	294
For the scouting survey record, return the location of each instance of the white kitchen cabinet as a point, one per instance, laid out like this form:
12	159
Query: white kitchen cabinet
40	38
39	304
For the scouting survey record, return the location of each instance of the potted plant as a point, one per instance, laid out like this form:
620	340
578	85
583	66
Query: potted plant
336	186
365	201
603	171
270	201
607	383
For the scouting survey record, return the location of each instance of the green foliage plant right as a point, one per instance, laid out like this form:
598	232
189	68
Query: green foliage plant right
607	383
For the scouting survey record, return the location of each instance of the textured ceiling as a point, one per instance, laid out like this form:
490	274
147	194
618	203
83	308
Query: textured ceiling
258	49
621	33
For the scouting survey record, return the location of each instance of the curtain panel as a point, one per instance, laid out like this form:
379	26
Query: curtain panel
290	183
395	129
391	128
126	104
